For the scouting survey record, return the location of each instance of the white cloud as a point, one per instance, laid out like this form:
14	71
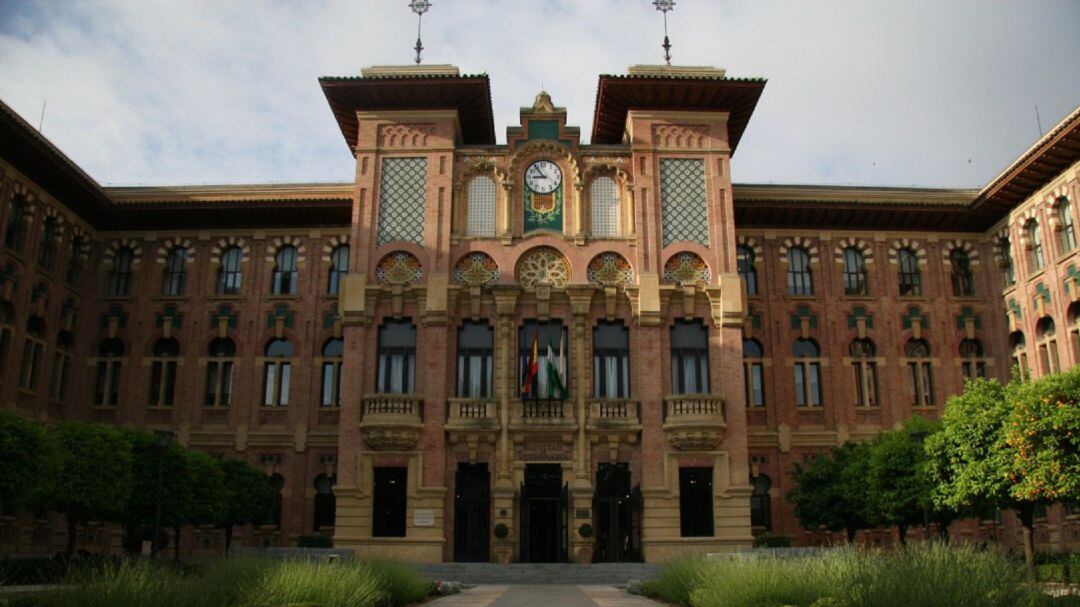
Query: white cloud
876	92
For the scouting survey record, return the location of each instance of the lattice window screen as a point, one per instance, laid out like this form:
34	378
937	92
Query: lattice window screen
481	206
401	199
604	198
682	194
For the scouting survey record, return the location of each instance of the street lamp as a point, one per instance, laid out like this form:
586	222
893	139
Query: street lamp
919	435
162	439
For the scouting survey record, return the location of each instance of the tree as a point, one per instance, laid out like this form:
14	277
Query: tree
29	463
206	505
95	474
249	497
830	490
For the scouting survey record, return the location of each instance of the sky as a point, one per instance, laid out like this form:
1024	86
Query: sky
873	92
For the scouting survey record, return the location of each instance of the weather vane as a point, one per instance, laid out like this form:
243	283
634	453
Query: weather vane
663	6
419	7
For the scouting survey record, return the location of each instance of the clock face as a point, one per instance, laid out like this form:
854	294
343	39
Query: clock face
543	176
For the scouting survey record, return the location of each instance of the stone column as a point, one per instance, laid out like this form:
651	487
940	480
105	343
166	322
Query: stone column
504	490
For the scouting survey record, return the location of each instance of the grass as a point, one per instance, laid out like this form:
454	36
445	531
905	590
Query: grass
927	575
240	582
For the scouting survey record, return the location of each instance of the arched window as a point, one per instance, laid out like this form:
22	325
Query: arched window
33	353
1046	335
910	274
75	260
219	372
107	384
753	372
475	356
864	366
325	502
611	360
1067	234
919	372
481	208
1007	266
333	352
120	274
1036	261
61	366
744	259
971	359
339	268
397	357
172	282
277	373
15	230
230	274
604	205
761	503
1074	330
807	373
854	272
799	279
963	282
284	280
163	372
1018	348
689	357
47	246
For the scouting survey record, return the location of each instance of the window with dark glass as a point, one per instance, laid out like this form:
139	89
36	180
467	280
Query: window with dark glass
696	502
47	247
163	372
475	360
1036	261
744	257
284	279
920	374
1007	266
1046	336
15	230
120	274
107	384
7	330
1074	329
552	353
75	261
325	502
854	272
33	353
1017	346
971	356
761	503
689	357
175	272
963	281
611	360
864	368
753	372
219	372
333	351
277	373
1067	233
807	373
388	502
799	279
61	370
396	368
339	268
230	274
910	274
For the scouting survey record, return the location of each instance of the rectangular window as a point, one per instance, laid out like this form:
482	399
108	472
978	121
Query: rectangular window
921	383
755	391
689	357
683	201
61	371
219	383
550	371
402	185
32	353
475	356
389	502
696	502
331	383
611	360
162	383
107	384
396	358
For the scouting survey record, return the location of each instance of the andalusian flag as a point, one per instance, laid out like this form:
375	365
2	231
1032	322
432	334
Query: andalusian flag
556	373
533	366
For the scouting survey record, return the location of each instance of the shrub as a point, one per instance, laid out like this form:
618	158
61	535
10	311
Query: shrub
402	583
676	579
315	540
126	584
1051	572
768	540
321	583
1074	568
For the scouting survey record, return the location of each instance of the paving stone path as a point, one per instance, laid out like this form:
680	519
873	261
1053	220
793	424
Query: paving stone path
543	596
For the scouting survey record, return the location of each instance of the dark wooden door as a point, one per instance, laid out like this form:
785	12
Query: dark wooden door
472	513
544	506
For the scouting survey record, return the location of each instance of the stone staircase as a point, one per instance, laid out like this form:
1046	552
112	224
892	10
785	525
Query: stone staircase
539	573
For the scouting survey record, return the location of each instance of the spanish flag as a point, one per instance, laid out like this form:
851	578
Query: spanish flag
533	365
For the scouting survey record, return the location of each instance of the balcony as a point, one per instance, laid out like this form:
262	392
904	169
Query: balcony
694	422
472	415
542	414
391	422
607	414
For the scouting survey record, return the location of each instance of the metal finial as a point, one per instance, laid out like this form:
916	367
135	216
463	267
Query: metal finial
664	6
419	7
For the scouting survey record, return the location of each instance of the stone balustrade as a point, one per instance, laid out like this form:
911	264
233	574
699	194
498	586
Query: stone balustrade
694	422
391	421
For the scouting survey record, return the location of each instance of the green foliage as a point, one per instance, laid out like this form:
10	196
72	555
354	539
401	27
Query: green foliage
1051	572
768	540
676	579
95	472
1042	433
29	462
207	505
249	497
322	584
401	582
831	491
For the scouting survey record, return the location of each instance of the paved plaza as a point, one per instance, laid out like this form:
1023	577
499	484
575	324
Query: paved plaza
544	596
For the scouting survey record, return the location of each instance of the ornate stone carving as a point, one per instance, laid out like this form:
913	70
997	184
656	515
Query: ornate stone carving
687	136
476	269
543	266
391	422
404	135
694	423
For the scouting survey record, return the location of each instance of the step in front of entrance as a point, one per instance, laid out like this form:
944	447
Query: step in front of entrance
539	573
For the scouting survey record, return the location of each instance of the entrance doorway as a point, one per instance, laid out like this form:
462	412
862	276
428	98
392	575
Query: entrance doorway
472	513
544	501
617	508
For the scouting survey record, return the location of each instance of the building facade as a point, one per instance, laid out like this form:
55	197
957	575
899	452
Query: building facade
535	351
